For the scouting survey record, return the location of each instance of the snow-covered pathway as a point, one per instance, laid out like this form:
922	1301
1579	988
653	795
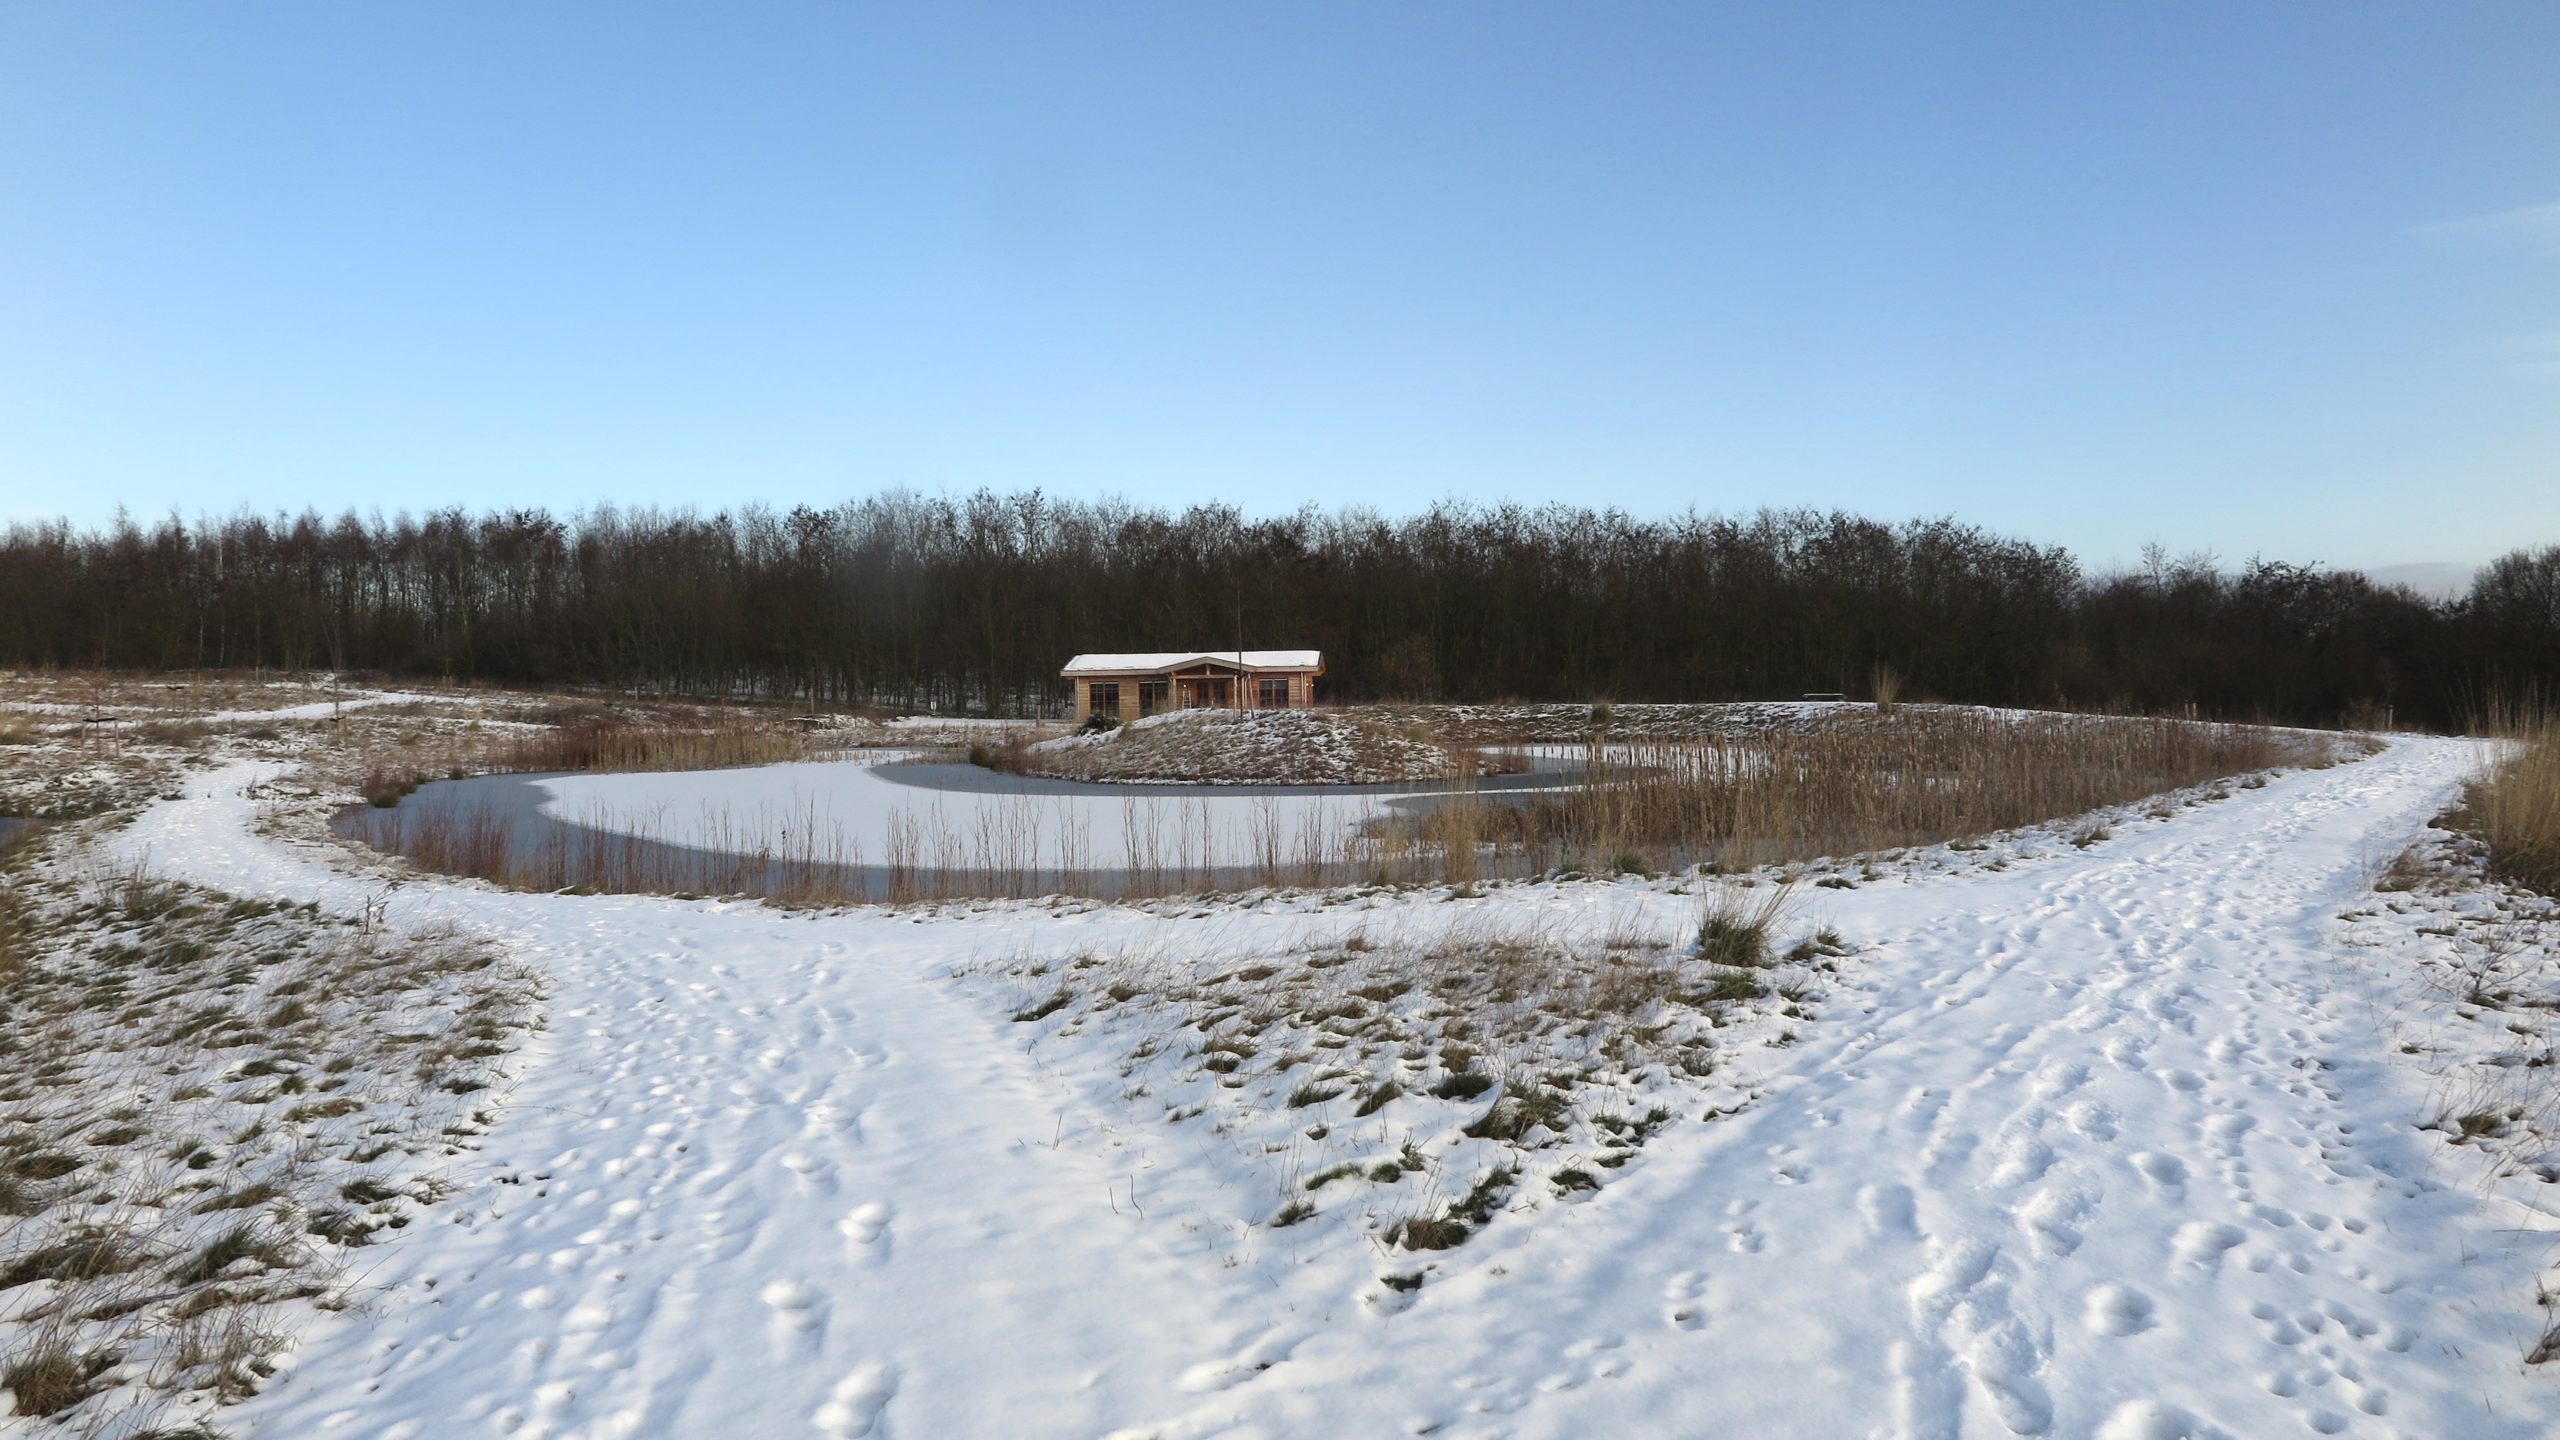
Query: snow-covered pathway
2103	1144
765	1175
2115	1152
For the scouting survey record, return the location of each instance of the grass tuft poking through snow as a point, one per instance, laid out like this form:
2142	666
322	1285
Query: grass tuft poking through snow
205	1103
1419	1086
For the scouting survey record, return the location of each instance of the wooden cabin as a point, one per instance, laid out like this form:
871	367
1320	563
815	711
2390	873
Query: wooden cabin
1129	687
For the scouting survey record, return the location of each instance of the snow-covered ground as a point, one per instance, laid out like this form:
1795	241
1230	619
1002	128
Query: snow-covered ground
2088	1142
125	716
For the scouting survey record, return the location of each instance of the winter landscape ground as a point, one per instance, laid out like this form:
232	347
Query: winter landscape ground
2222	1112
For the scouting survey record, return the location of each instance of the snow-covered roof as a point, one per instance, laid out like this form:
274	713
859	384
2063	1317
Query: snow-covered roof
1168	659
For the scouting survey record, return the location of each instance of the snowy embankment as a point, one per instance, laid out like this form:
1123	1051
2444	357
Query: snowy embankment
2098	1141
1246	747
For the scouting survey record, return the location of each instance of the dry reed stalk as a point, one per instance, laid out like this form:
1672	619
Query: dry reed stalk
1887	686
2515	806
1860	783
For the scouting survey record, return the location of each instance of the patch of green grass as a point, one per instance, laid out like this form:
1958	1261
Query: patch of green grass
240	1242
1046	1008
52	1379
44	1165
323	1109
1462	1085
84	1256
1516	1114
1421	1232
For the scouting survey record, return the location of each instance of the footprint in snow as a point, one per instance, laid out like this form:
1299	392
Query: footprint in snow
1684	1291
864	1225
2166	1171
2203	1243
2152	1420
2092	1121
1888	1209
2022	1158
2057	1080
853	1407
2114	1309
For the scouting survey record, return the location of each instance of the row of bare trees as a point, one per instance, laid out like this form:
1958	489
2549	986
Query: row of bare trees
974	602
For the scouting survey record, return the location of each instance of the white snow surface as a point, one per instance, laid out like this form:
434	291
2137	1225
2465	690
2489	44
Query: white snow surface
2102	1144
315	710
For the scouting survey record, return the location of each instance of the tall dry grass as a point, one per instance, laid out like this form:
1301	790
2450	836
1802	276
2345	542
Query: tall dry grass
594	741
2515	807
1861	783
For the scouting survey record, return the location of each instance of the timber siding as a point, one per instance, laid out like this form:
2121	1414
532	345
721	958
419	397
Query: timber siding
1131	686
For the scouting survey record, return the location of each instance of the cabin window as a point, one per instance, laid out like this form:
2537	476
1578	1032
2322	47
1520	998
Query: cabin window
1151	696
1104	699
1272	692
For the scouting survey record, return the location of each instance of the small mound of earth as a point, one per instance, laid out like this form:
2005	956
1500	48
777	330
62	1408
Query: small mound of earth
1244	747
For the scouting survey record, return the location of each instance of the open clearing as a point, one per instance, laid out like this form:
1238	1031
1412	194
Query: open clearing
2107	1134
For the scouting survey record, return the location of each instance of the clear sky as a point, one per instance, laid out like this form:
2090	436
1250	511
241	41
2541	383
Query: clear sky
2278	278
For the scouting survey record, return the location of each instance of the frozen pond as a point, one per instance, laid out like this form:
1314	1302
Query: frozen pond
863	829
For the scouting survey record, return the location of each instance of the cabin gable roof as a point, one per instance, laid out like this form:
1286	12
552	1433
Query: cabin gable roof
1171	660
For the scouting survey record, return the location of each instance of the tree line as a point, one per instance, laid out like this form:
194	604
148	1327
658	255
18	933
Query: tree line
974	602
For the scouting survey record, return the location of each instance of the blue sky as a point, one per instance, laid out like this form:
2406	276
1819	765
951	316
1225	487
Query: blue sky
2269	278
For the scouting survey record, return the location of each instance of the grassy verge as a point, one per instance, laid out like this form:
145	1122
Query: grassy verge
206	1104
1417	1084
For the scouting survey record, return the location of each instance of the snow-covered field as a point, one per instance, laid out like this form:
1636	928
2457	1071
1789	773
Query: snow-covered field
2103	1141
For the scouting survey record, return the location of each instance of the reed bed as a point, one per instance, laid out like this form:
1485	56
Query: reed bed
2515	807
1856	783
713	741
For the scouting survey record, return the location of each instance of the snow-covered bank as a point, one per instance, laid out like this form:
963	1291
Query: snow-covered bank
2103	1142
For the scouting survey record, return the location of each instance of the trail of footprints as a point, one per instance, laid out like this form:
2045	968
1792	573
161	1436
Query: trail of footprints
562	1235
1981	1320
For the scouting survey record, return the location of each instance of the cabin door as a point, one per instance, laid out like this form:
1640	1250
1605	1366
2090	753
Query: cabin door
1215	692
